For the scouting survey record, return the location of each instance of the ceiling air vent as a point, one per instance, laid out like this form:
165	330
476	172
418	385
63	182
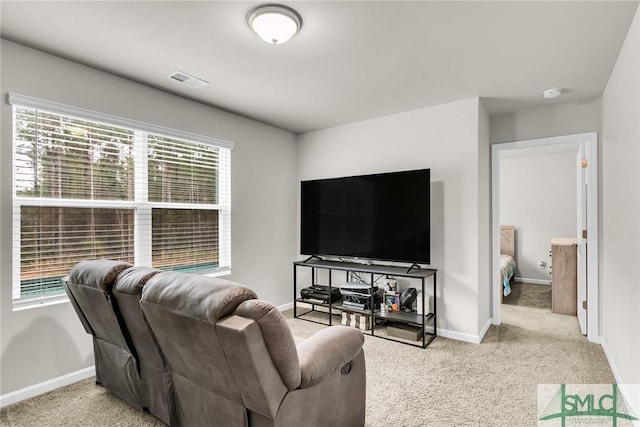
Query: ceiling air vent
187	79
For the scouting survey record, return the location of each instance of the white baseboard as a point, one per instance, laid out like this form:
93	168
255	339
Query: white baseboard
284	307
534	281
631	392
485	328
460	336
46	386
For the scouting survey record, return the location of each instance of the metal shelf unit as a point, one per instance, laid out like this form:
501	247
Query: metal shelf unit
425	322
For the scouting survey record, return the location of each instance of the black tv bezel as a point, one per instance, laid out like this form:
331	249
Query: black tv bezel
365	258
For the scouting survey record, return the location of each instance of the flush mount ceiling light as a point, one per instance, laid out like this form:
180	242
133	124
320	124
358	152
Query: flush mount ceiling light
552	93
274	23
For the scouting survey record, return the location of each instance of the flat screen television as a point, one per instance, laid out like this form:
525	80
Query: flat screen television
378	217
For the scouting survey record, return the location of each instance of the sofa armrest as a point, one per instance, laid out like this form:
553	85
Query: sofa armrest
326	351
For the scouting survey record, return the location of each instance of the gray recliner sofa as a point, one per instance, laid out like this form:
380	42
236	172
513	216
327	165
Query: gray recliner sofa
234	362
106	297
89	286
156	390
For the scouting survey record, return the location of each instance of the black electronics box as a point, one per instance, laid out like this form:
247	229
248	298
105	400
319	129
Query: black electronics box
359	302
321	293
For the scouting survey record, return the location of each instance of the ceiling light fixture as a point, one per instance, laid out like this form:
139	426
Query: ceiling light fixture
274	23
552	93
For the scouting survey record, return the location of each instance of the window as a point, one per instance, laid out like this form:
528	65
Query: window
91	186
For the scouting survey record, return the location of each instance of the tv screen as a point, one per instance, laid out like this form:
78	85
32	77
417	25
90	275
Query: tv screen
380	217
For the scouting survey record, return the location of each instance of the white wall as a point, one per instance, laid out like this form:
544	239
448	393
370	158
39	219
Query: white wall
46	342
615	118
445	139
544	122
620	228
538	197
485	276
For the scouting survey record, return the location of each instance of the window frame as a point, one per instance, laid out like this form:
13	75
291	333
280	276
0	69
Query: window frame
141	206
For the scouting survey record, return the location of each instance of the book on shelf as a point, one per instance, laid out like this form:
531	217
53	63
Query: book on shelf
392	301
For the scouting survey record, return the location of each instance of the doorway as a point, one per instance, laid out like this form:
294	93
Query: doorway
585	145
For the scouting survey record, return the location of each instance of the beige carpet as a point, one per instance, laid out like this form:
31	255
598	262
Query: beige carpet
529	295
450	383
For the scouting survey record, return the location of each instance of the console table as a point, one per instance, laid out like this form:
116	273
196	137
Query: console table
426	321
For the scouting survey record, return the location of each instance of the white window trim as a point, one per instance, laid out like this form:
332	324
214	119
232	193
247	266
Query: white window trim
41	104
224	206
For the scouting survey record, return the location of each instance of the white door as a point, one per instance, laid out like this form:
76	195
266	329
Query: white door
582	163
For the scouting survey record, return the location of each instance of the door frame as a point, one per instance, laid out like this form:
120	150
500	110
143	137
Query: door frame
581	224
590	141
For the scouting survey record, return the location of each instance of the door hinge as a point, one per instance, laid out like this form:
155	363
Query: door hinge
584	234
585	163
584	305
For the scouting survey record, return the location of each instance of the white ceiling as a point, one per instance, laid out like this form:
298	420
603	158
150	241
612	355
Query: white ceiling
351	61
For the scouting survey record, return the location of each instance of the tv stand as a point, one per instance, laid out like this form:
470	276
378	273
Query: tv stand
312	257
424	323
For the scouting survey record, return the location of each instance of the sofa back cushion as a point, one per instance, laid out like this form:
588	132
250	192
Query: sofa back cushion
182	311
99	273
91	282
127	292
277	337
157	390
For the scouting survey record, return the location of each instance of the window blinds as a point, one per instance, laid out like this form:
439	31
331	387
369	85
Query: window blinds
87	188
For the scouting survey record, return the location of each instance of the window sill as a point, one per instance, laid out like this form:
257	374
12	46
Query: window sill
27	304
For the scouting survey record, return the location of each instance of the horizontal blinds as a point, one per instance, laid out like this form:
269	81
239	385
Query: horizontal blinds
182	172
185	239
86	189
62	157
54	239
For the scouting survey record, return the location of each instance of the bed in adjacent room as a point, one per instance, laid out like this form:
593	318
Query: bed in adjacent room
507	258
